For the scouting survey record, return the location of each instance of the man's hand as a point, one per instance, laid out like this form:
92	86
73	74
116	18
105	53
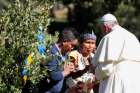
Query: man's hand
68	68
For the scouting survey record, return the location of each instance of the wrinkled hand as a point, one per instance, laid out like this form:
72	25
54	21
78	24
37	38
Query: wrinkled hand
68	68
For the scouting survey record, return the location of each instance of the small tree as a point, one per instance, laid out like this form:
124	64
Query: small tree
18	26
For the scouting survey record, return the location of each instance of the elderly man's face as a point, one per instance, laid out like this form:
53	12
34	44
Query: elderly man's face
105	29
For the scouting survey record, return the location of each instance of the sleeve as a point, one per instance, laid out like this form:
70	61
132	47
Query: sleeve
54	70
108	53
109	50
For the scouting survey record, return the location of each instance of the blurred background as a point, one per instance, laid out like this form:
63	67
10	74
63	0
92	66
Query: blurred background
84	14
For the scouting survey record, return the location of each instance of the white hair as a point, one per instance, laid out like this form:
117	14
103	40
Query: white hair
111	24
109	19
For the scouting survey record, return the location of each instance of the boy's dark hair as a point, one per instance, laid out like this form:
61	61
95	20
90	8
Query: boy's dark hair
67	34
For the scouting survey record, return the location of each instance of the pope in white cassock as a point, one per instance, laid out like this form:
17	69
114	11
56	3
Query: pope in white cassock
117	59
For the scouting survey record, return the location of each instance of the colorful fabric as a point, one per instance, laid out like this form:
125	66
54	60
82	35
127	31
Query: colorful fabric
23	69
88	36
86	77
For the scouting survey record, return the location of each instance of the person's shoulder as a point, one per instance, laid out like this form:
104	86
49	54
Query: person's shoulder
126	33
53	49
130	36
116	32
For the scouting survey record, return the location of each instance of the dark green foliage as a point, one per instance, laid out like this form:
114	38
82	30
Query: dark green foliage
18	25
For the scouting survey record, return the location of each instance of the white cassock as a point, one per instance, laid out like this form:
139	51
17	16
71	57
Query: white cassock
117	62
